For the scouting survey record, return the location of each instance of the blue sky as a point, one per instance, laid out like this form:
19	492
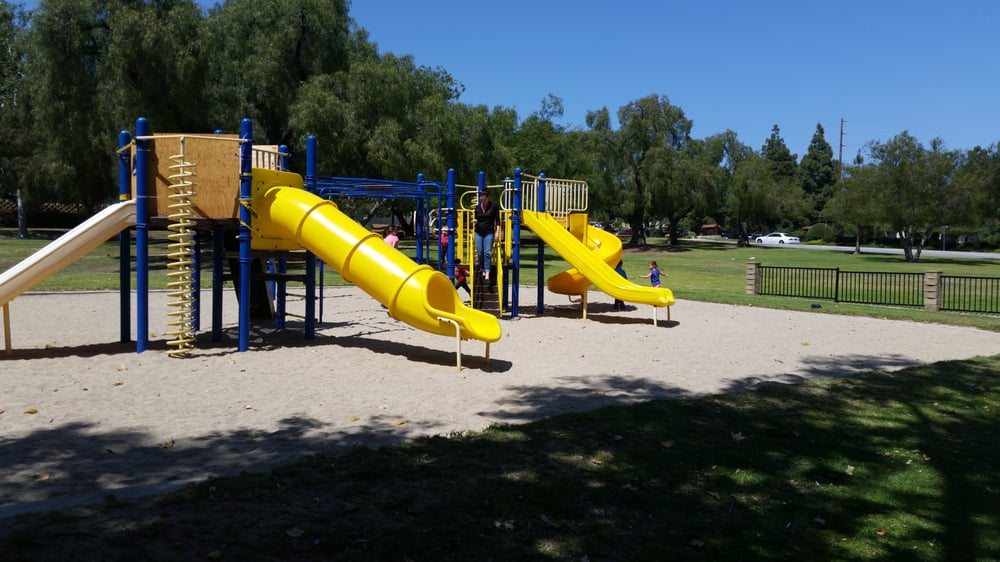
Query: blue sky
932	68
929	67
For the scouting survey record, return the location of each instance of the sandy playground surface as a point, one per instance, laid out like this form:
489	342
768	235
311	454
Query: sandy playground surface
110	421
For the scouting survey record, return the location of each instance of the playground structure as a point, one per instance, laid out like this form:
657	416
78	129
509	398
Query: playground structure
555	210
187	184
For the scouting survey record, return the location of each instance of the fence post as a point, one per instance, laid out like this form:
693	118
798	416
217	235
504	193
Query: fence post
932	291
753	278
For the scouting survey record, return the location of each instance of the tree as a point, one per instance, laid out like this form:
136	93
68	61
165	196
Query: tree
599	143
650	128
539	142
384	117
260	53
979	177
818	172
93	67
780	160
15	129
756	198
855	202
683	182
916	194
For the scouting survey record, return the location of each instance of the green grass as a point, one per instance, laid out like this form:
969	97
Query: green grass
699	271
899	466
879	466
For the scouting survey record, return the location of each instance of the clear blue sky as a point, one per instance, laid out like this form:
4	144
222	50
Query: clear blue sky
930	67
927	66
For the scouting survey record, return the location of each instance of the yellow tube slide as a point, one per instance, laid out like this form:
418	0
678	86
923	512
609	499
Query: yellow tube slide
593	262
415	294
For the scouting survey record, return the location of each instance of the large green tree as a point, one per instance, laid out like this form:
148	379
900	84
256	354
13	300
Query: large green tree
979	177
12	108
260	53
854	203
683	182
651	127
782	162
818	172
380	118
916	194
92	67
20	138
756	198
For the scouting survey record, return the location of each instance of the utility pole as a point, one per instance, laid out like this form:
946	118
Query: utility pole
840	153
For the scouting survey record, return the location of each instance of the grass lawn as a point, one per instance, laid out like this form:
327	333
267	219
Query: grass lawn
702	271
881	466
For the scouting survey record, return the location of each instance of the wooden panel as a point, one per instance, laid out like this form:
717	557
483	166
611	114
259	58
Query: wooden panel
216	181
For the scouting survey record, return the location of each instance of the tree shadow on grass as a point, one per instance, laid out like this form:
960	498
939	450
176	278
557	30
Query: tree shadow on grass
78	464
882	465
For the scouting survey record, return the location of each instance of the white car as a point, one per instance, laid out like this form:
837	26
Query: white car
776	238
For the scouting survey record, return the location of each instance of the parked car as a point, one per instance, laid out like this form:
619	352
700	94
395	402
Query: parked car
776	238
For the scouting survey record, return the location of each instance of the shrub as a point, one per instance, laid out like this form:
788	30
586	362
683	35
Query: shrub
821	231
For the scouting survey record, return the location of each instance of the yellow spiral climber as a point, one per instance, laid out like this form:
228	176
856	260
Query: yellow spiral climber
180	253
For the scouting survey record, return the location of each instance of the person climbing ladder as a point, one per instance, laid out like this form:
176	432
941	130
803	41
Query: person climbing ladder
487	228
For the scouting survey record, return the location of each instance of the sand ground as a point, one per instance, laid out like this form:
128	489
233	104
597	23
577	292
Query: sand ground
110	421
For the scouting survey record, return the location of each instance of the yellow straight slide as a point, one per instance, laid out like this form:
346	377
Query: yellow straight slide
413	293
66	249
593	263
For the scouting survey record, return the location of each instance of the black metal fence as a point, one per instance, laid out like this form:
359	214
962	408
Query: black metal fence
970	294
809	282
964	294
868	287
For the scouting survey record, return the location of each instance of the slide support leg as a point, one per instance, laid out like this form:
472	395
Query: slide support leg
6	330
458	342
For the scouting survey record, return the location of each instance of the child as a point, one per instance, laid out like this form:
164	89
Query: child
391	238
461	275
654	274
620	269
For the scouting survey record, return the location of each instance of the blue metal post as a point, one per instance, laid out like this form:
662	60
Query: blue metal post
310	296
418	224
312	166
283	157
322	267
540	307
442	229
311	162
452	213
218	261
196	283
281	295
515	278
272	285
125	240
246	180
141	235
481	187
280	288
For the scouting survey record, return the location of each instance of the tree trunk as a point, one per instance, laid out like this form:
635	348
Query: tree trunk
22	217
638	230
857	240
742	238
407	227
907	241
672	231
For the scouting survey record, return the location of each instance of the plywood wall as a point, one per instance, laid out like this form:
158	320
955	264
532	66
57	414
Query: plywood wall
216	181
